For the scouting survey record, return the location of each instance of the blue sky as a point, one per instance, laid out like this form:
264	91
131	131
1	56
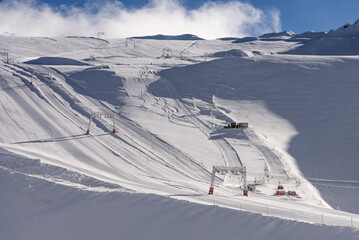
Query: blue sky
225	18
296	15
316	15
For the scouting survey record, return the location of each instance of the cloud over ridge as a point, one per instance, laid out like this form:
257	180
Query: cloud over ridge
211	20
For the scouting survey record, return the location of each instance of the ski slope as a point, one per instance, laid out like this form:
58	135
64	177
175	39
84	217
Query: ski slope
170	112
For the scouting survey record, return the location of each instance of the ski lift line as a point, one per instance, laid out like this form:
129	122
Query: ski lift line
106	114
339	186
44	73
223	170
100	102
99	115
99	34
105	106
330	180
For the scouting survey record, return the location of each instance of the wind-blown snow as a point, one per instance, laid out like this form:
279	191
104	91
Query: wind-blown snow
211	20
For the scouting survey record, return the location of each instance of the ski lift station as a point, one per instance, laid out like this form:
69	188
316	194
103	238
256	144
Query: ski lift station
100	115
223	170
166	52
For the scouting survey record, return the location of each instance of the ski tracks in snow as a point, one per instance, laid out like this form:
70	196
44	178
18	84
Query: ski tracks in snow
161	157
230	156
275	166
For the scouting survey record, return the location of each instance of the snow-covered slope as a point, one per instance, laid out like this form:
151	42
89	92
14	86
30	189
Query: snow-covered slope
37	209
340	42
297	106
347	30
280	34
186	37
171	100
329	46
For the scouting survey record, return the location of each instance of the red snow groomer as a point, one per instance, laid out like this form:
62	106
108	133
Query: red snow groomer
280	191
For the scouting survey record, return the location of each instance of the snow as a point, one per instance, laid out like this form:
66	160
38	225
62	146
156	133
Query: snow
279	34
170	115
347	30
329	46
185	37
63	212
55	61
229	53
341	42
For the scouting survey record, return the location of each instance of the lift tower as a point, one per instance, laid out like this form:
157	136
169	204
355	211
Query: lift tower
223	170
99	115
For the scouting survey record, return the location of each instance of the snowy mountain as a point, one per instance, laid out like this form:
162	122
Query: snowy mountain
184	37
347	30
280	34
155	112
342	41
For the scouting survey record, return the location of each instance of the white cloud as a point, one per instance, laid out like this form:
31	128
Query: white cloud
211	20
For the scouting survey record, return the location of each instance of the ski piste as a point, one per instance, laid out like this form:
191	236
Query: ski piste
170	113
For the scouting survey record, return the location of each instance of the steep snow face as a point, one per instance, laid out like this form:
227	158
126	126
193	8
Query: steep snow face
343	41
329	46
347	30
340	42
310	35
